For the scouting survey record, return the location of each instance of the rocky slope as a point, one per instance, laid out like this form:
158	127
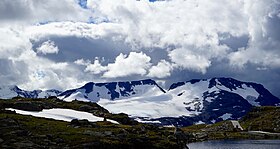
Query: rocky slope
260	123
262	119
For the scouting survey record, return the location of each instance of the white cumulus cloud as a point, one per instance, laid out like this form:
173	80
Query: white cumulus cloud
187	60
264	30
48	47
126	65
161	70
94	68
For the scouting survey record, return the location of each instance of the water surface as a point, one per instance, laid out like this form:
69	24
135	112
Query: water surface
236	144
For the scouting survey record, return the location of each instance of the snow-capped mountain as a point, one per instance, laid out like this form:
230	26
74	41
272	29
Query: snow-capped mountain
113	91
217	99
195	101
254	93
8	92
184	103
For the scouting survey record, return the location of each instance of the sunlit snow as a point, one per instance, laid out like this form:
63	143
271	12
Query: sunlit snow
226	116
62	114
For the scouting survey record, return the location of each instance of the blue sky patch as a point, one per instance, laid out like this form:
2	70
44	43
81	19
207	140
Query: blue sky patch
83	3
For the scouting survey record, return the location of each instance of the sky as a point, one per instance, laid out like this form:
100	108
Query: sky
46	44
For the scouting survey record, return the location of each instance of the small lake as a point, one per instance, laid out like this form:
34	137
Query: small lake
236	144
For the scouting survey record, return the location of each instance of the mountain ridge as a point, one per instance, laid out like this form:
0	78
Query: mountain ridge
11	91
184	103
115	90
230	83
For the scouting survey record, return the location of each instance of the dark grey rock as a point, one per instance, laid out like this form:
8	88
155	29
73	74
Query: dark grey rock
84	122
201	135
76	122
108	133
59	140
24	144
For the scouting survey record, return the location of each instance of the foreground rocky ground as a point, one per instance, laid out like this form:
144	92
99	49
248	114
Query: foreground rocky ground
19	131
259	123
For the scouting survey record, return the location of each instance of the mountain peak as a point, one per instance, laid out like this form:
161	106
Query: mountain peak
10	91
111	90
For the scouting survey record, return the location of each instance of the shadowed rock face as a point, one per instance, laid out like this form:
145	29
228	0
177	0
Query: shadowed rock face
223	97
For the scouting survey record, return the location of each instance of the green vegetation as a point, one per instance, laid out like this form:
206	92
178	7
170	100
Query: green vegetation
262	119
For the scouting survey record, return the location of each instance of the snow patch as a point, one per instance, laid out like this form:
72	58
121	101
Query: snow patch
152	107
7	92
247	92
199	122
147	121
76	96
226	116
62	114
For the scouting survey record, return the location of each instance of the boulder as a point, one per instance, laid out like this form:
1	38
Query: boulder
108	133
201	135
84	123
75	122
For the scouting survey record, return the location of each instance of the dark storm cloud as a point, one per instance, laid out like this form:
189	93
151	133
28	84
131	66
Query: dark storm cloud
234	42
37	11
12	73
203	39
73	48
